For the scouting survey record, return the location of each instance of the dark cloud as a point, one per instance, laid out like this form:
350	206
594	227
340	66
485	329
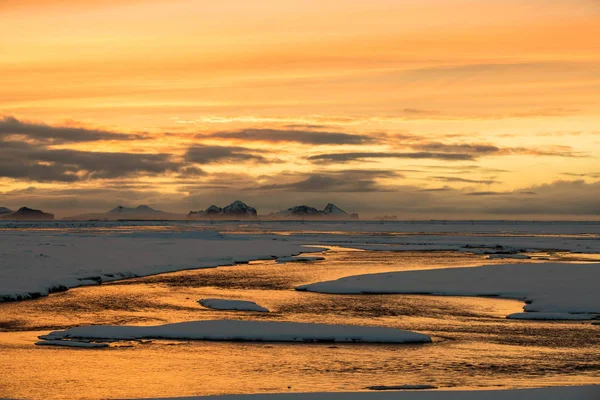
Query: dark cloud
202	154
337	181
10	126
475	149
464	180
442	189
293	135
39	163
362	156
488	193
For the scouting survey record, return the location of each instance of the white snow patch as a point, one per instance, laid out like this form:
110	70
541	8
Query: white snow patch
283	260
34	264
235	305
71	343
401	387
515	256
230	330
591	392
546	316
546	287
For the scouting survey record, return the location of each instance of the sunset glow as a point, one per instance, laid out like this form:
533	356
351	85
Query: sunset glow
421	109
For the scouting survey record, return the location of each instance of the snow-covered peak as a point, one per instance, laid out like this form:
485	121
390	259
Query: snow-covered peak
301	210
239	208
332	209
138	209
144	208
236	209
27	213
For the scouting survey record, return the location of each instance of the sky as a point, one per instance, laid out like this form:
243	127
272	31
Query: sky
422	109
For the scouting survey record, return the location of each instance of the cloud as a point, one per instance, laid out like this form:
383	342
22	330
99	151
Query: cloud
336	181
10	126
441	189
475	149
488	193
37	163
203	154
362	156
485	149
464	180
293	135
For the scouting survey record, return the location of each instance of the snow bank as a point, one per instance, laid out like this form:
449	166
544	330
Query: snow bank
235	305
71	343
547	287
545	316
591	392
401	387
283	260
244	331
34	264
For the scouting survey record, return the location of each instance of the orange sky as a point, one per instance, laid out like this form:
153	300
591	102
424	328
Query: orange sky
509	87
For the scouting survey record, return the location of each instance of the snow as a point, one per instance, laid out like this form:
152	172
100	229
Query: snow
515	256
591	392
231	330
235	305
401	387
332	209
71	343
36	263
546	287
546	316
283	260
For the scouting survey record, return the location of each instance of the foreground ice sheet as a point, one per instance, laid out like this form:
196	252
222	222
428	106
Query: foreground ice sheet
550	393
244	331
548	287
71	343
235	305
545	316
34	264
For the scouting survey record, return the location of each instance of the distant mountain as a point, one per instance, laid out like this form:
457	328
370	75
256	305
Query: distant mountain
236	210
4	210
331	211
139	213
300	211
27	214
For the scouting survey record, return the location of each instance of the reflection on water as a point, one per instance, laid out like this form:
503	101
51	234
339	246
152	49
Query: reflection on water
474	345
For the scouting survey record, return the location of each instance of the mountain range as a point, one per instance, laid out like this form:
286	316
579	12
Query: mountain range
24	214
234	211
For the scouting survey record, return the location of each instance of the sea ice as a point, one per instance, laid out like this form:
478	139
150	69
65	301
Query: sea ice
231	330
546	316
71	343
591	392
235	305
545	287
34	264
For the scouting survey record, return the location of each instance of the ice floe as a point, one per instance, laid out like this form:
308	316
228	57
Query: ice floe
34	264
545	287
71	343
230	330
234	305
591	392
283	260
401	387
546	316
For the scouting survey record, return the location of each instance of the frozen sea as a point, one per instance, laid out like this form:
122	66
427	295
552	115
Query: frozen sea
473	345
